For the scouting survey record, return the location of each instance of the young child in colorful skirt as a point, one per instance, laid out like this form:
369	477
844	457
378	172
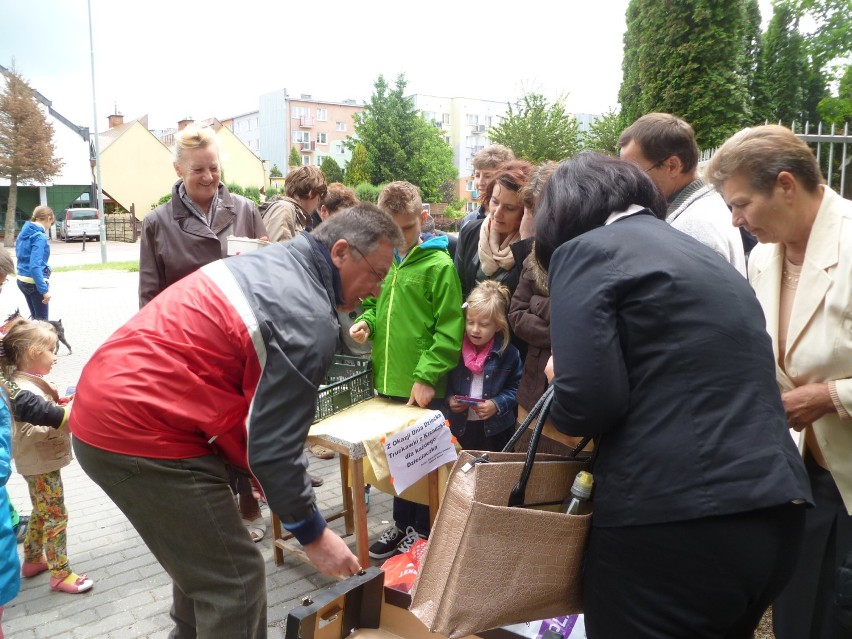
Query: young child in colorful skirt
481	390
39	453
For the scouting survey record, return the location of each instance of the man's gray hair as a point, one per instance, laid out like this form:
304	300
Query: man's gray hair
363	226
7	266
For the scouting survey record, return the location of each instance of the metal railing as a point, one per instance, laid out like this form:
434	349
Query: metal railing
832	150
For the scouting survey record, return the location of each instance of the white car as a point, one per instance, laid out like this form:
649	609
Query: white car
80	222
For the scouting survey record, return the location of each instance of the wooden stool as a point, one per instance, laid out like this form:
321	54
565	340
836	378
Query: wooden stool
345	433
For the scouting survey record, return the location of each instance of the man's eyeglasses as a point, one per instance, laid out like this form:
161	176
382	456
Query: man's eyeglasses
379	278
652	167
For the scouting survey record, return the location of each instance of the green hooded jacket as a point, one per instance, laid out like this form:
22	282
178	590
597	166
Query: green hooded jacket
417	322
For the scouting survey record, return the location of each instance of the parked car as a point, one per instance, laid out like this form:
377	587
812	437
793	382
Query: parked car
80	222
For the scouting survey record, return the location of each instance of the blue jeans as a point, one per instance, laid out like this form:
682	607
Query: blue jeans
38	309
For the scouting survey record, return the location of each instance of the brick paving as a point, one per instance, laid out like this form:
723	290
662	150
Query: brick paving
132	593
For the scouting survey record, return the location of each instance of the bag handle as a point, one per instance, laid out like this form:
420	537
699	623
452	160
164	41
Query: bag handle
540	412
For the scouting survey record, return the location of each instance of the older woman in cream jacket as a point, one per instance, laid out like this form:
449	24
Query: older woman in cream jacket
802	275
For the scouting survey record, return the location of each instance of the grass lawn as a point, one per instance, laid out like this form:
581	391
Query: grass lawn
131	266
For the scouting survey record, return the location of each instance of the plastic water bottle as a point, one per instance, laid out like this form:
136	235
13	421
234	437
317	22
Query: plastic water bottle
581	493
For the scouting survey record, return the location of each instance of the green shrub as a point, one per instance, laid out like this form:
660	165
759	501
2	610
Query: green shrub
252	193
272	192
235	188
366	192
162	200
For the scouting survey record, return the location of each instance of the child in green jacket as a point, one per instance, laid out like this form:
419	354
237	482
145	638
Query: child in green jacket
416	326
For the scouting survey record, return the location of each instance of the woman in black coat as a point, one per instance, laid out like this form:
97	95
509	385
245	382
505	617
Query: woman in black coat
660	350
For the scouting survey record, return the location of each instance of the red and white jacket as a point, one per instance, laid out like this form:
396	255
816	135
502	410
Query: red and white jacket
227	360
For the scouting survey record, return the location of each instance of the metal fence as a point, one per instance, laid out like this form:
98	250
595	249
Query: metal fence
122	227
831	145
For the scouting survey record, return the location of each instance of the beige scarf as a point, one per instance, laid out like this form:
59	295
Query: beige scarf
494	254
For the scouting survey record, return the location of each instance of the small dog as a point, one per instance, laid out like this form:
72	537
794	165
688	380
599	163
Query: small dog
57	326
60	335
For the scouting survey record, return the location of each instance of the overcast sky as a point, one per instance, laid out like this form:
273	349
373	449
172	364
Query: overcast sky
176	58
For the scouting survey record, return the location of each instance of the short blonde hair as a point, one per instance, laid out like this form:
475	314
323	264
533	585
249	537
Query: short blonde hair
760	153
492	299
194	137
42	213
401	198
492	156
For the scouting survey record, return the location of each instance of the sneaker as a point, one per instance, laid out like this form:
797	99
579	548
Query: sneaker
411	538
386	545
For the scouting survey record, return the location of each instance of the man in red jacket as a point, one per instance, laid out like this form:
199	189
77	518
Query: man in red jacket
221	369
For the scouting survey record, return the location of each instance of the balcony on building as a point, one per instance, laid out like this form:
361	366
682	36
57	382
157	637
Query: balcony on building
306	122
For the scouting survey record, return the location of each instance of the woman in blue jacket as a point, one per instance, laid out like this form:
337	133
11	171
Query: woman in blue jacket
33	251
481	390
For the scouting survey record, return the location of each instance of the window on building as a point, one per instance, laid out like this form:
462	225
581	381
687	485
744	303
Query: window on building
447	139
322	114
338	148
302	136
488	121
472	119
322	138
469	185
306	160
301	112
319	159
340	126
445	118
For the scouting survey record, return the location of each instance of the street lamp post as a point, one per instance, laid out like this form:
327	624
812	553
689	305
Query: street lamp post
97	159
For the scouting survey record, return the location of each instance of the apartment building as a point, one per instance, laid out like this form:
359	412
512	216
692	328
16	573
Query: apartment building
315	128
464	124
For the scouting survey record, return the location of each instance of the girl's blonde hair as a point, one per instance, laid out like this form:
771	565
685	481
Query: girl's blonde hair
23	339
42	213
492	299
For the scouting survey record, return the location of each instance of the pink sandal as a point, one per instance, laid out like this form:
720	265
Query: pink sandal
33	568
73	583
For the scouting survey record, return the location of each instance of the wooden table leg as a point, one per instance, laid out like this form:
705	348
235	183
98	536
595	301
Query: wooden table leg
361	540
346	492
276	534
434	497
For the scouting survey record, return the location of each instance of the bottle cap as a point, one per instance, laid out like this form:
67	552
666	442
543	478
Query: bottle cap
583	483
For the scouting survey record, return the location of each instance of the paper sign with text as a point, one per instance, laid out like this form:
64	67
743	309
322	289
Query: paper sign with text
419	449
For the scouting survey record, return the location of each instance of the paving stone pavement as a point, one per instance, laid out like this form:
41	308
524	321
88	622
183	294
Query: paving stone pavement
132	593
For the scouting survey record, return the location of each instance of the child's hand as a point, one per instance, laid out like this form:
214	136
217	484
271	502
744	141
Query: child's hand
485	409
457	406
65	400
360	332
421	395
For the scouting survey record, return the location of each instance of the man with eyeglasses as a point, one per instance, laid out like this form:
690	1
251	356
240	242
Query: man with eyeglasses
221	369
665	148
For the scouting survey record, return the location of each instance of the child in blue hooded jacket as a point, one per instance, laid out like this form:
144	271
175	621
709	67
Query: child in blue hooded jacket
33	251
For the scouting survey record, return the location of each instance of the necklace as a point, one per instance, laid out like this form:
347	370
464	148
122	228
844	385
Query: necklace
790	274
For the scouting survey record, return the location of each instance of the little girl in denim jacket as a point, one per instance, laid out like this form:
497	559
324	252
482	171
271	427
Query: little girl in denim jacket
490	370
